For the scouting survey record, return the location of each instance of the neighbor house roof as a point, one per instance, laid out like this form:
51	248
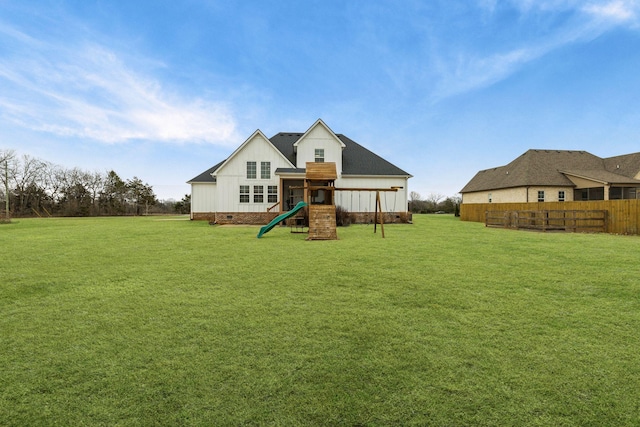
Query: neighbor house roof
550	168
627	165
356	160
602	176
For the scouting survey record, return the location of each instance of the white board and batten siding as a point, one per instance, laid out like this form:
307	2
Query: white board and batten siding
233	174
319	137
203	197
364	201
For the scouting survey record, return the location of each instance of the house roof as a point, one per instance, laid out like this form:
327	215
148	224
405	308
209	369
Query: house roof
602	176
548	168
627	165
207	176
356	160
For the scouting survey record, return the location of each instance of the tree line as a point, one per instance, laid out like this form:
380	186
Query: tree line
34	187
434	203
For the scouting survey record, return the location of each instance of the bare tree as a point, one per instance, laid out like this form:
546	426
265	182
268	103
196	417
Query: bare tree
27	180
77	197
432	201
416	204
54	180
94	183
7	159
33	186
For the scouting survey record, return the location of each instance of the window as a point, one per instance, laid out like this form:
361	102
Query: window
561	196
585	194
265	170
244	194
615	193
258	194
490	198
251	170
272	193
541	196
319	155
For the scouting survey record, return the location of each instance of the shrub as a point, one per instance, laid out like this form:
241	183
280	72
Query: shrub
343	217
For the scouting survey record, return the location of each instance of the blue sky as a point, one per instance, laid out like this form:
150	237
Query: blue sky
163	90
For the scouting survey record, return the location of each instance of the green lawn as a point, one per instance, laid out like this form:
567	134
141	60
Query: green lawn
165	321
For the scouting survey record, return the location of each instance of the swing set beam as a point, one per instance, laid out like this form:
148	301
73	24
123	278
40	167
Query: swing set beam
367	189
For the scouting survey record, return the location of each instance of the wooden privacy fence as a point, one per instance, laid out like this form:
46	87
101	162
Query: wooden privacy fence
622	216
574	221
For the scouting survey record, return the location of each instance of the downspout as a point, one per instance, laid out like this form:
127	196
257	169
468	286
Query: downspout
527	196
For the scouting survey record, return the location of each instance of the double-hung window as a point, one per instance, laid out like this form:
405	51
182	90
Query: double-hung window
251	170
272	193
265	170
541	196
244	194
561	196
258	194
319	155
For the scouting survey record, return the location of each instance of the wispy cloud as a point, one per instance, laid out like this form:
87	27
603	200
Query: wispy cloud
465	71
87	90
615	12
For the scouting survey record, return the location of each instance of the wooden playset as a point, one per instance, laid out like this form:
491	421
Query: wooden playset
319	201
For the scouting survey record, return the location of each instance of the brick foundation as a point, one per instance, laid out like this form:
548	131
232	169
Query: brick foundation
389	217
262	218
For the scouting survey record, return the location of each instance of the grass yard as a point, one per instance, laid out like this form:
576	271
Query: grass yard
164	321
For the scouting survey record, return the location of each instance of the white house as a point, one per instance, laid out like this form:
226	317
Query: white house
265	176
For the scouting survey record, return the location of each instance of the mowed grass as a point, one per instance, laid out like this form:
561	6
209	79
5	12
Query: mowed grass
165	321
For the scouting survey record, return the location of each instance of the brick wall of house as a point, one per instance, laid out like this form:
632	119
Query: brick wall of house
203	216
389	217
252	218
262	218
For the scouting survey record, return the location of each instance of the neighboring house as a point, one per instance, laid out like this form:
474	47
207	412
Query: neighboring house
557	175
265	176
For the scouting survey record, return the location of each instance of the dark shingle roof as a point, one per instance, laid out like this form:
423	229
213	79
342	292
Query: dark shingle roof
206	175
356	160
602	176
545	167
627	165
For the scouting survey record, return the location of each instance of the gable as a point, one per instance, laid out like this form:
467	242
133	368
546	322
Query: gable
319	131
319	137
256	148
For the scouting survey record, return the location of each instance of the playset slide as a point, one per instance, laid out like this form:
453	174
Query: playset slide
266	228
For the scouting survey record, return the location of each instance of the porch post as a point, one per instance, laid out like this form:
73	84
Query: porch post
281	194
